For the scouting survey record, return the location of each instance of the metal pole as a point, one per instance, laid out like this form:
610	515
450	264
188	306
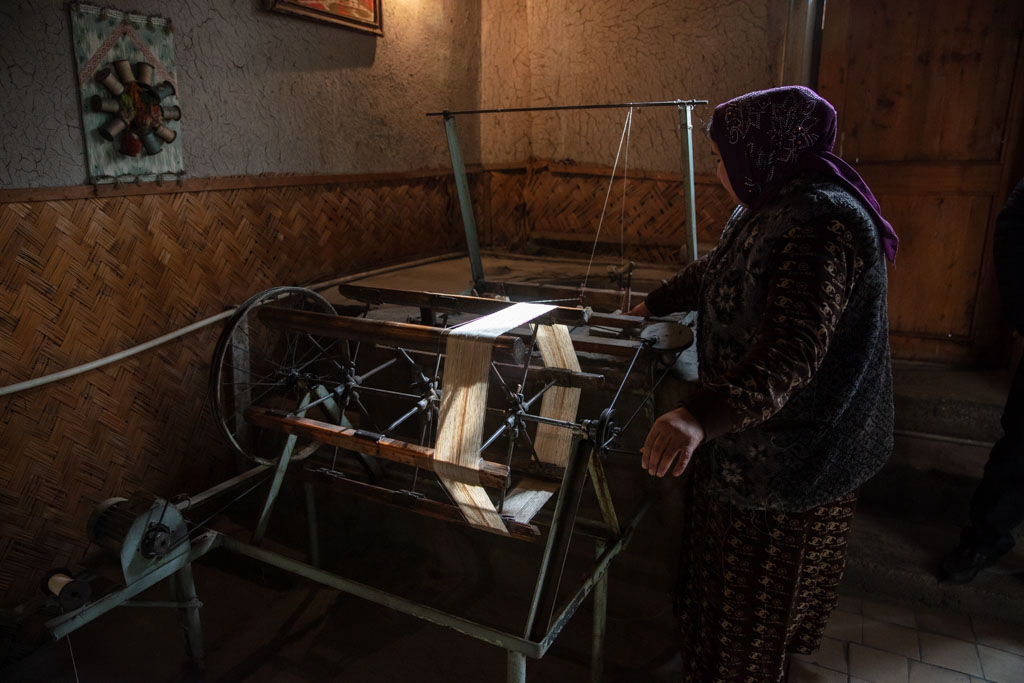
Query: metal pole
570	107
550	574
600	621
516	667
465	203
473	629
275	485
686	126
186	589
314	536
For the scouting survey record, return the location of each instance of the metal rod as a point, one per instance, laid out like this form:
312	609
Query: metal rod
686	128
600	621
626	376
398	423
596	574
569	107
174	604
314	535
186	588
553	562
389	600
224	486
275	484
465	202
516	667
370	373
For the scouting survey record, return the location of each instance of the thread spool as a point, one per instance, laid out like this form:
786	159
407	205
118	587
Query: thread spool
172	113
165	133
70	592
150	142
124	70
145	72
165	89
104	104
113	128
109	81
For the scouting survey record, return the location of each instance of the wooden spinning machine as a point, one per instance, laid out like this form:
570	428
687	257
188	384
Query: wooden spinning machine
482	428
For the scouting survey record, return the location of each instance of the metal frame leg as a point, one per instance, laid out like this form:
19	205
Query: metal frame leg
185	586
314	536
600	621
559	535
275	484
686	133
465	202
516	667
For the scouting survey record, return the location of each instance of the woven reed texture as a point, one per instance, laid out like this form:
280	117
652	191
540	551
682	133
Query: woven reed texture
83	279
648	213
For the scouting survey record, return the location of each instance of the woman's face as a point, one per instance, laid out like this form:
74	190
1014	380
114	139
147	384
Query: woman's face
723	177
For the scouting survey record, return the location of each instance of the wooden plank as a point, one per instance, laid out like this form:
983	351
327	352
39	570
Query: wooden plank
455	303
933	287
406	335
931	178
404	499
220	183
489	473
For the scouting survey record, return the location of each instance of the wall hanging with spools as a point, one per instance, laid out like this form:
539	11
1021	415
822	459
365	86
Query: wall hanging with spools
130	111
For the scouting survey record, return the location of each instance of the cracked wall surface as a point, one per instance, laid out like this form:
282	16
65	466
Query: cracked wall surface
261	92
594	52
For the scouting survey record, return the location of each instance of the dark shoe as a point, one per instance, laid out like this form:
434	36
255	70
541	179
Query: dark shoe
963	564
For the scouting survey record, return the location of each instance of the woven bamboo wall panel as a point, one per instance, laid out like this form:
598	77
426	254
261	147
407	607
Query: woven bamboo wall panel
82	279
648	214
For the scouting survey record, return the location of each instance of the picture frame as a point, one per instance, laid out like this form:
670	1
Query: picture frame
359	15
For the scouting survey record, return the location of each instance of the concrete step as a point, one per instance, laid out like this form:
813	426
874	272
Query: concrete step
907	520
952	402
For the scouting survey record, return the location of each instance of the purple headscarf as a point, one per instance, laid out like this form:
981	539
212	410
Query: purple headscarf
765	137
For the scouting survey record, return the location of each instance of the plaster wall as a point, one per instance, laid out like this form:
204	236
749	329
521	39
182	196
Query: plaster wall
539	53
260	92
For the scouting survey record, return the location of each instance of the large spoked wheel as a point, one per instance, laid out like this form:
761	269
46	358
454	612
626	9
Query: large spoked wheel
255	364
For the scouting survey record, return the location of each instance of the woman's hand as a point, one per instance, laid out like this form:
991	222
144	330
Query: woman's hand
674	434
640	309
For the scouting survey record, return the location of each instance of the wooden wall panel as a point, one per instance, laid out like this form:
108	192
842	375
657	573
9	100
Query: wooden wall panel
85	278
930	99
932	287
916	82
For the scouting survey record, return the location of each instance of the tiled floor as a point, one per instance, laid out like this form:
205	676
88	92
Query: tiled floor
868	641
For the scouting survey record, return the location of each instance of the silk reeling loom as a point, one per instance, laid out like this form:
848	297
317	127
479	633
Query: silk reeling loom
482	429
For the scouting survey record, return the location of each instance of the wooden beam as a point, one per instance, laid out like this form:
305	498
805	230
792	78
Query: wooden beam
489	474
598	299
406	335
455	303
404	499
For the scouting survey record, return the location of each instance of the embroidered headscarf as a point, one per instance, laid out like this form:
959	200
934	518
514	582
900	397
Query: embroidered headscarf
764	137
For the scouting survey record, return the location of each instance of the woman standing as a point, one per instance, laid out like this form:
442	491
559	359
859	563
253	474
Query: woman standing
794	408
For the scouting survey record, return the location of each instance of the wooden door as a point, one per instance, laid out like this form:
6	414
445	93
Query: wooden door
929	95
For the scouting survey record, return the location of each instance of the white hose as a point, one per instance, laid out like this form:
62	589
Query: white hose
121	355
